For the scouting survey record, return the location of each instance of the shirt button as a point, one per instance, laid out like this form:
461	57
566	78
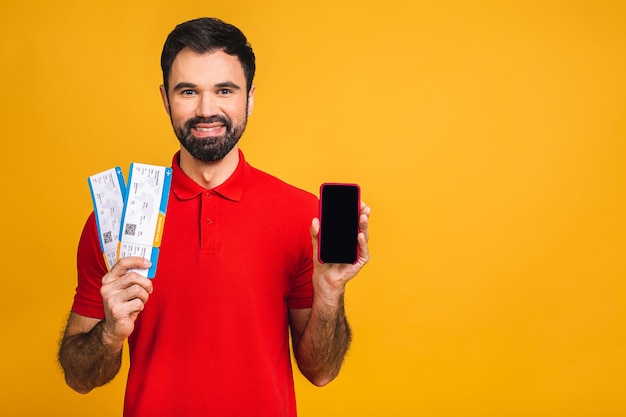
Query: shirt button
209	221
209	195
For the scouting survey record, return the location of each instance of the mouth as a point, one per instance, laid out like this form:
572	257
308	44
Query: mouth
208	130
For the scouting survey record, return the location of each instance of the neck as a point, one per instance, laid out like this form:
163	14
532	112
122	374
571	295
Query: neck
209	174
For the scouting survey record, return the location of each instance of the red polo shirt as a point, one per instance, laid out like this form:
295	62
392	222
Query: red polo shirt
213	338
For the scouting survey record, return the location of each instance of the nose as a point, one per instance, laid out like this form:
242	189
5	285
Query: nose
207	106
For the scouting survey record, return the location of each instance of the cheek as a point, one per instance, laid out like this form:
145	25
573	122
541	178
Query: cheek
179	115
238	113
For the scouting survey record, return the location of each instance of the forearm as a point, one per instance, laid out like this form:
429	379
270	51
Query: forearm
324	343
87	361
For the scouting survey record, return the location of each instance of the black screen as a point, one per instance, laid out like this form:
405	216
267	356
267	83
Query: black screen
339	223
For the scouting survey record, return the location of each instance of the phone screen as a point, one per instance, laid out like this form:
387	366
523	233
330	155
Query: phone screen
339	217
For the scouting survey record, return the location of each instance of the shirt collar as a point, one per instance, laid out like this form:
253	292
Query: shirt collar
232	189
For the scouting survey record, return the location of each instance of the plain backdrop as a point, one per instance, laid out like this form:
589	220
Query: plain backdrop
487	136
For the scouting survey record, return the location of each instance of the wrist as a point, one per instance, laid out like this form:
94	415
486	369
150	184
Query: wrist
328	300
328	291
108	338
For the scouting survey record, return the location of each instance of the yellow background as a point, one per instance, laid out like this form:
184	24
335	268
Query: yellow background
488	137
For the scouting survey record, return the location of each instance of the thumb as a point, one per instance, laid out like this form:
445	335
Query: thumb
315	231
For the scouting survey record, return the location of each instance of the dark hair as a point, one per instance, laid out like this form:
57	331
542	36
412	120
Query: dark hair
208	34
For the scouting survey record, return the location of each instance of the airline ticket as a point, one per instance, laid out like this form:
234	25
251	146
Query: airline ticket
107	194
136	225
143	219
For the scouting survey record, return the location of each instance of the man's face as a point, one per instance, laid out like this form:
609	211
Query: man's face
207	102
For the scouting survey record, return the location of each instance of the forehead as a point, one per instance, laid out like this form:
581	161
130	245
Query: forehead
206	68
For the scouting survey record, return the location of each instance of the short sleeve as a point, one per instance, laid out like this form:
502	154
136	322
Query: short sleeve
301	294
91	268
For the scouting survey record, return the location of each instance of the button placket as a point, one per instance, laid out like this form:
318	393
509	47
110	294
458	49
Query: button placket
208	237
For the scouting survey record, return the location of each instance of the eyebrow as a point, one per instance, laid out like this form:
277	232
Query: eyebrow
229	84
184	85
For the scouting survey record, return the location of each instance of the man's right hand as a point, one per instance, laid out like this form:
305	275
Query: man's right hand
124	295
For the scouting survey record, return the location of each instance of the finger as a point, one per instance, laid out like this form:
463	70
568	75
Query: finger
364	220
126	301
114	294
121	317
135	279
135	291
364	253
132	262
124	265
113	287
363	238
315	232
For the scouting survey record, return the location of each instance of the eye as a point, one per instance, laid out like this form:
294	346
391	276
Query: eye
224	91
187	92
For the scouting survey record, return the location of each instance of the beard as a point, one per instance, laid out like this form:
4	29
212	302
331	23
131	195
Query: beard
214	148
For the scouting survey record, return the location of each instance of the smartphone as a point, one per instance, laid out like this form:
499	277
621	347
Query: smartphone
340	206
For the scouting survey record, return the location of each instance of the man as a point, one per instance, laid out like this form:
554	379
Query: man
238	269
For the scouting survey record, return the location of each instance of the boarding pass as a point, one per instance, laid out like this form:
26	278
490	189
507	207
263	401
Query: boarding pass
131	217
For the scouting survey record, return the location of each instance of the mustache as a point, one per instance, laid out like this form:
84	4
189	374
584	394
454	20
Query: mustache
207	120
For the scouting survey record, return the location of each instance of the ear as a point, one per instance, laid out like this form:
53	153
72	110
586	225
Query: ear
166	101
251	100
